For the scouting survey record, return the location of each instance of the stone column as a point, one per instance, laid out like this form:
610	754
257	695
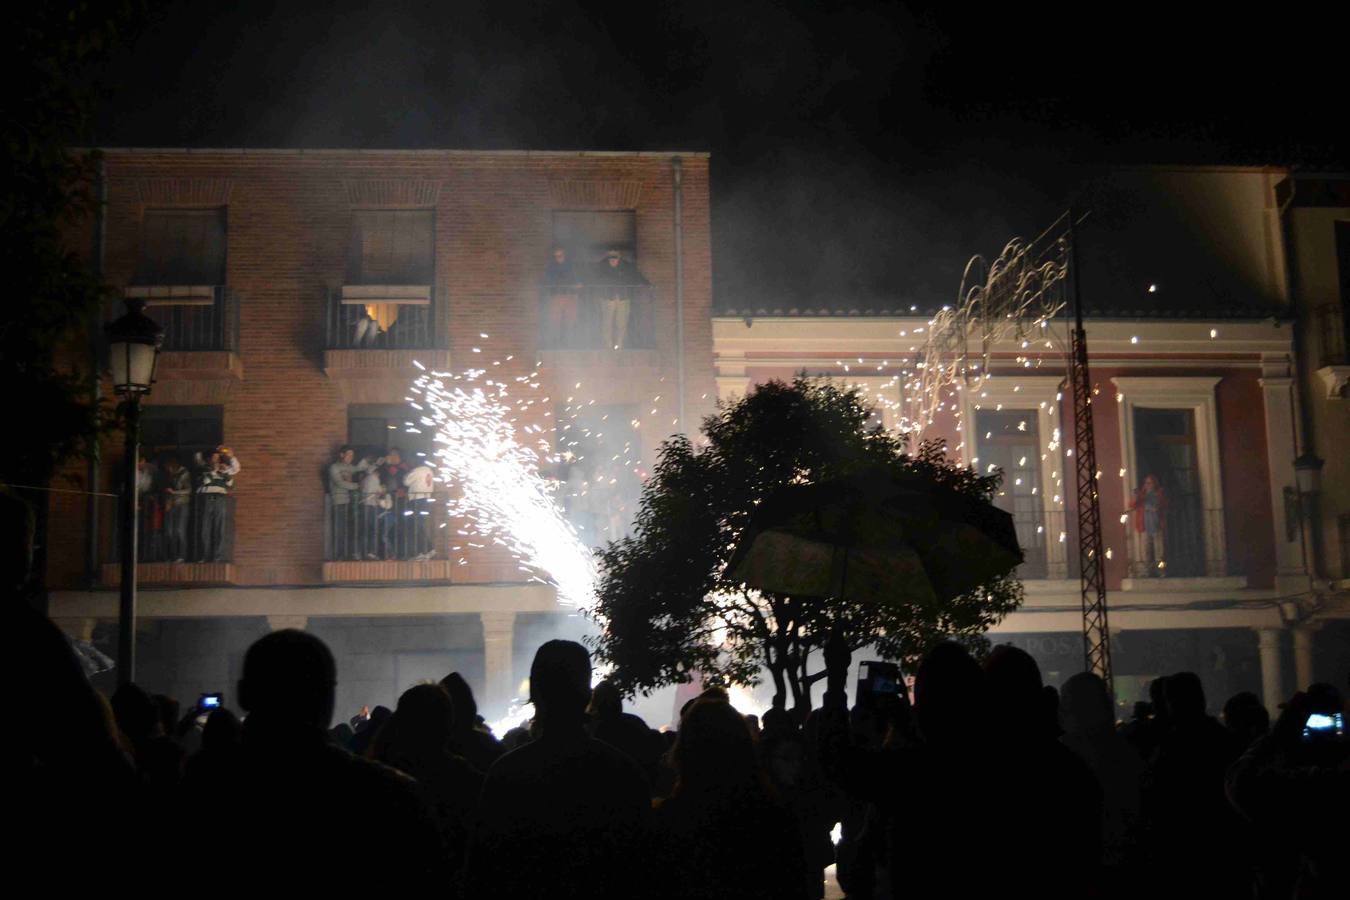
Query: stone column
498	633
1272	692
1291	572
1303	656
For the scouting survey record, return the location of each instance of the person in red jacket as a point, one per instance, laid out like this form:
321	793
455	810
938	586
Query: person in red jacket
1150	523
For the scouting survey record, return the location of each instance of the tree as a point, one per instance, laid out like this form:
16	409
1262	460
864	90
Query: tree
54	50
667	608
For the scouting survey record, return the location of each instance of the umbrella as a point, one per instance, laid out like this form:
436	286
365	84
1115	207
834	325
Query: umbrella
873	536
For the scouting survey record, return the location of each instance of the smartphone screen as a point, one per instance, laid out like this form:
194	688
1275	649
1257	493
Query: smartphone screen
1323	725
210	701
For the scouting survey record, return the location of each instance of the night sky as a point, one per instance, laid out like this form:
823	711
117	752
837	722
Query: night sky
861	151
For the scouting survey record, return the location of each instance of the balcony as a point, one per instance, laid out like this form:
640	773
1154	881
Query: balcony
199	362
1333	360
601	318
1044	553
1188	556
191	543
383	537
374	333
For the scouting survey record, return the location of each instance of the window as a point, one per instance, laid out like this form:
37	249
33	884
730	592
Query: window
1164	450
1010	440
182	431
1169	430
182	247
589	235
1013	423
373	429
386	300
179	521
602	452
391	247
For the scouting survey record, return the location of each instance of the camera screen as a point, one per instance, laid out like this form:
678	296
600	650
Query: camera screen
1320	724
210	701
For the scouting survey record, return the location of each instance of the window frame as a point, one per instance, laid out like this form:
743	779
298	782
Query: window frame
1196	393
139	279
1042	396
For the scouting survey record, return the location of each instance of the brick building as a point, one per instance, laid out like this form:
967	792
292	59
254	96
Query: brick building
297	288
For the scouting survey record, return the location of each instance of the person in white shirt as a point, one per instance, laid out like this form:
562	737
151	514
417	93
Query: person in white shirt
375	517
420	482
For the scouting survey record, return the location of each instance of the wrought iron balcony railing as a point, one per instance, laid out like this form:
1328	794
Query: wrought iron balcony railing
1330	323
1190	544
192	528
596	317
381	317
194	318
385	526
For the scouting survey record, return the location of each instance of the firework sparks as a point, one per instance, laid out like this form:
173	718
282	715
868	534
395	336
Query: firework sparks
499	492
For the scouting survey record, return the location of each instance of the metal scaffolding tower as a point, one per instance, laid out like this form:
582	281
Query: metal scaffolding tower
1092	583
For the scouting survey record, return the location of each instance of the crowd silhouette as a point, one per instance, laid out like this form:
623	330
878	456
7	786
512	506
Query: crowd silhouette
991	784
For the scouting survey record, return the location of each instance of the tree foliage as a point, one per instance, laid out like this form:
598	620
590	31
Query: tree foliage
53	50
665	605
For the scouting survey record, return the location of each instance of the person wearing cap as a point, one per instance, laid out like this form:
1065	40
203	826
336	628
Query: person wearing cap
619	277
214	484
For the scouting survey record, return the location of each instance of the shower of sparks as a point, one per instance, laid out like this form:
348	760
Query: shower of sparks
499	494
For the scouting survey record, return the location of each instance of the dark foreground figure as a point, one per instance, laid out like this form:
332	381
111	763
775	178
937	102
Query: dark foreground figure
991	786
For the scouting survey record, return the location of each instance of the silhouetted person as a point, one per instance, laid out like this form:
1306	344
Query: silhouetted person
723	832
299	811
1087	716
1050	793
1197	841
61	749
1245	717
470	738
158	757
565	815
931	794
416	740
222	737
1144	733
791	767
622	731
1295	789
365	733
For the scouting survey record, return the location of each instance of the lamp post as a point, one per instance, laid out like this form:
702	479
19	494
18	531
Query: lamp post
1308	476
133	349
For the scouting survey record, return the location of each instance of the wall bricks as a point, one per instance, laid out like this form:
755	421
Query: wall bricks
288	220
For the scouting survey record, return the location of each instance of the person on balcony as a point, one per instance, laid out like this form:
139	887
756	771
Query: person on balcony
149	513
177	508
420	483
618	280
376	506
564	298
214	484
1150	524
343	489
392	472
366	329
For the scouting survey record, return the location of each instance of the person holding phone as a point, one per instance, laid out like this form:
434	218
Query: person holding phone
1295	783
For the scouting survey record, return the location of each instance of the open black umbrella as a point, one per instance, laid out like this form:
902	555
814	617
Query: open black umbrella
872	537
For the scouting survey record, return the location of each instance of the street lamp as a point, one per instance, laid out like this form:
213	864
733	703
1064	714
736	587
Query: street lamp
133	349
